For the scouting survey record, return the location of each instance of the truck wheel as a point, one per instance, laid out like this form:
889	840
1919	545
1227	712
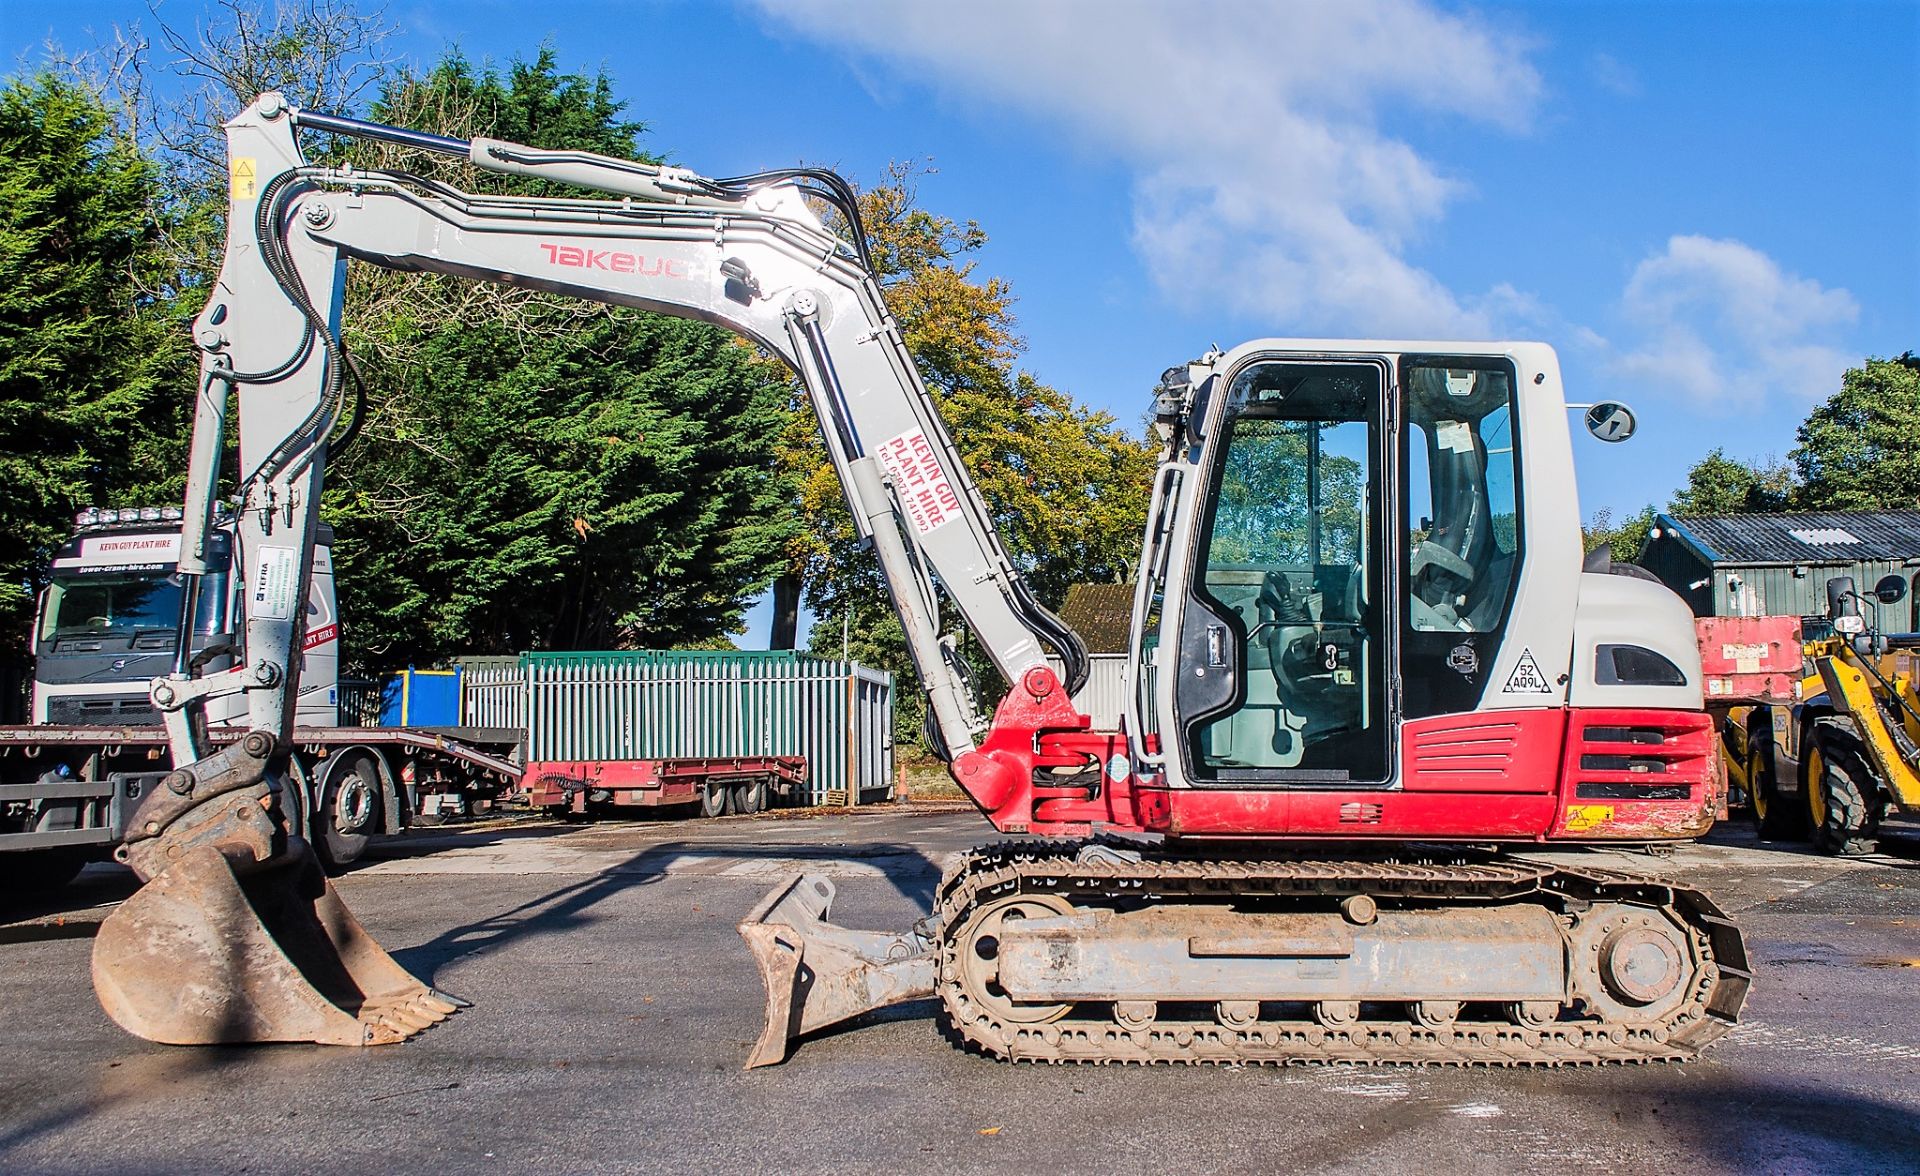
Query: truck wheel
714	798
1773	817
1841	791
750	797
349	812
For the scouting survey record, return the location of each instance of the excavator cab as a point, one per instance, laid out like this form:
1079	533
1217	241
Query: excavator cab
1352	551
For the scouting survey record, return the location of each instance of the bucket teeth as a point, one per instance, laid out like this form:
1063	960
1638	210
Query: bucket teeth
391	1020
202	956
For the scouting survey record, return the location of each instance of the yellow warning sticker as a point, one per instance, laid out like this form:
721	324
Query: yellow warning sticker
1581	817
243	171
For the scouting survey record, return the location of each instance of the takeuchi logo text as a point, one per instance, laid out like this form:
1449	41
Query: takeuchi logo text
614	261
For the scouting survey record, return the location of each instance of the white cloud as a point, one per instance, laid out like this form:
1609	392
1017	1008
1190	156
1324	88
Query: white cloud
1613	75
1720	322
1264	182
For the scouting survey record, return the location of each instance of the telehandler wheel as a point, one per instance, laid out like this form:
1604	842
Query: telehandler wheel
1773	817
349	811
715	799
1841	791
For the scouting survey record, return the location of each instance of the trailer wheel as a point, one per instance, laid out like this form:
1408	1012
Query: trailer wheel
349	810
750	796
1773	818
1841	791
714	798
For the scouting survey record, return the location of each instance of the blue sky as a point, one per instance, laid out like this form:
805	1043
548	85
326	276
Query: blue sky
1709	208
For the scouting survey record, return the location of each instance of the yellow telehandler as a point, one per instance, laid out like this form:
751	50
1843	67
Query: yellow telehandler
1831	764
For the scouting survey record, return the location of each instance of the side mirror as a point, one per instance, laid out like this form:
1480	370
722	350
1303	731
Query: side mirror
1891	589
1611	421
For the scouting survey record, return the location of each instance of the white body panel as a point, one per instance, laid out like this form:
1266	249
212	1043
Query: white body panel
1621	610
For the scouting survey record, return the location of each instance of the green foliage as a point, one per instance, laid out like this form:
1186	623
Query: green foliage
1623	539
538	472
1262	514
93	368
533	103
1721	485
1861	449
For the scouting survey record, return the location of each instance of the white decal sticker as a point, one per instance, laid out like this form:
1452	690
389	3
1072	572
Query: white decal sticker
276	584
1526	677
923	489
1456	436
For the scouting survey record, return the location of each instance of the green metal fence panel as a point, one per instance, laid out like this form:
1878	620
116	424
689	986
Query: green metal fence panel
666	704
492	691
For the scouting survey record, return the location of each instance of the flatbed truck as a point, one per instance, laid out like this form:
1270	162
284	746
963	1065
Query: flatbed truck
113	618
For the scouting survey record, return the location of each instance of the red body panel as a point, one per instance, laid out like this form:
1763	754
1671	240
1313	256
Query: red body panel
1519	775
1615	789
649	783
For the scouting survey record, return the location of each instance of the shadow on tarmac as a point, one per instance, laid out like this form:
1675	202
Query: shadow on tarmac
913	874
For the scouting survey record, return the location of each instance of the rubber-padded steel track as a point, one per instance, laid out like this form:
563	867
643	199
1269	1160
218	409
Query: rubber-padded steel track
1090	1033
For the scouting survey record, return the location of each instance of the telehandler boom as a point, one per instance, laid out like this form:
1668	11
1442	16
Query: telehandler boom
1364	655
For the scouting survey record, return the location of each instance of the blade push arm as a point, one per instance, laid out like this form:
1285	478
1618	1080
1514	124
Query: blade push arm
749	256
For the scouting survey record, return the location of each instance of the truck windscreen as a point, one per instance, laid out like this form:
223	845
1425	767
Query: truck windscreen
123	602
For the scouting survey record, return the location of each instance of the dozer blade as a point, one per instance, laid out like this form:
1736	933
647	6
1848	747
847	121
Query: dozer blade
202	956
818	974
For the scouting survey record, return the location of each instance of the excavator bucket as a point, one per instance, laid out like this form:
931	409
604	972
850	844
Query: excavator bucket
204	956
817	974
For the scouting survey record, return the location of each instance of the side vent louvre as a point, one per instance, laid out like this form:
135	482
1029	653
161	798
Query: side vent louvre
1613	760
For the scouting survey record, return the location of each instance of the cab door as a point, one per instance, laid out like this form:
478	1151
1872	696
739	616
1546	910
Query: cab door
1286	642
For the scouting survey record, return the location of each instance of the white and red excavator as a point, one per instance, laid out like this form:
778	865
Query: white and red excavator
1369	671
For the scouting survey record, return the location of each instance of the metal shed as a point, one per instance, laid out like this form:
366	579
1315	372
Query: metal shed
1779	564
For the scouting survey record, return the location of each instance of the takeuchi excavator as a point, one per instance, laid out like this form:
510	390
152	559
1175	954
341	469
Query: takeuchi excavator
1368	672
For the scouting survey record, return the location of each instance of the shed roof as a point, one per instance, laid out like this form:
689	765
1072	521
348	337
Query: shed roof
1801	537
1102	614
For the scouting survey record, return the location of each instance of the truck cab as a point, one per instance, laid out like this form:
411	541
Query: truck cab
110	620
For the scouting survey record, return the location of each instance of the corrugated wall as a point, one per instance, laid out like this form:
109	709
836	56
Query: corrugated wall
651	704
1104	696
1768	590
1778	591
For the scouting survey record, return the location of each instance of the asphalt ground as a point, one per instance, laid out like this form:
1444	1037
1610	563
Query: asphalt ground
614	1005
